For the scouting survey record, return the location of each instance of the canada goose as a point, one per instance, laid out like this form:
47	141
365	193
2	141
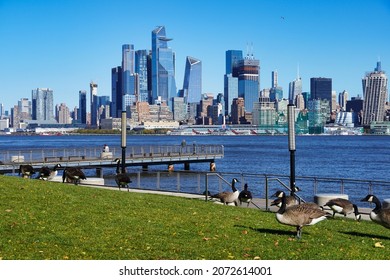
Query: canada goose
290	199
73	175
378	214
343	206
121	179
26	170
228	197
245	195
299	215
45	173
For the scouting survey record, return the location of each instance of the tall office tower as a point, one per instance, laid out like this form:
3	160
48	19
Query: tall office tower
248	73
192	83
128	70
42	105
295	88
1	110
163	67
343	97
82	112
116	92
141	68
230	82
238	111
274	79
264	112
321	89
94	103
375	95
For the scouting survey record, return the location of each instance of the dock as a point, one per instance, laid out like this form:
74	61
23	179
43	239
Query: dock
95	157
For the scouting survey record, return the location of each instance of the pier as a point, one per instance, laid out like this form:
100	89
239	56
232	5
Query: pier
95	157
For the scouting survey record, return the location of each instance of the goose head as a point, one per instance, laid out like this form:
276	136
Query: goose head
234	181
369	198
279	194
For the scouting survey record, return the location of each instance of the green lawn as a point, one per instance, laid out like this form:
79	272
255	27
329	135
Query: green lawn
44	220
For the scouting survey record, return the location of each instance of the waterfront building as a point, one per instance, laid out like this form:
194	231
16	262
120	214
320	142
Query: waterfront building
82	112
345	118
343	97
375	96
163	67
264	113
42	105
299	102
306	97
205	102
281	109
94	104
318	115
180	109
192	83
321	89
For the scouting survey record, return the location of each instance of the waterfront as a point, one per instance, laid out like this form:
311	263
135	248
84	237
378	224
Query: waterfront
353	157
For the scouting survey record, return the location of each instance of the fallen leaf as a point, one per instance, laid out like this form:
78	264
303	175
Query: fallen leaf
379	245
244	232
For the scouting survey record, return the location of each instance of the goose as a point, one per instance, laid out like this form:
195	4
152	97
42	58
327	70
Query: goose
121	179
378	214
245	195
343	206
73	175
228	197
298	215
45	173
27	170
290	199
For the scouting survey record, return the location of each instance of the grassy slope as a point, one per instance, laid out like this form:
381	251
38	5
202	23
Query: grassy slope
44	220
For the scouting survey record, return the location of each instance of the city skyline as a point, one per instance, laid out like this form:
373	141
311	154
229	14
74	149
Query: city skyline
66	49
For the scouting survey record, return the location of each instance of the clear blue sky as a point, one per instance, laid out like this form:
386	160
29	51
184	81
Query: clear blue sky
64	44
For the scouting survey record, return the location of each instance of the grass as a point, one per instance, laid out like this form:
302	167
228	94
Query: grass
44	220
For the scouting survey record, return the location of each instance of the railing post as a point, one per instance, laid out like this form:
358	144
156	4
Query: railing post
342	186
207	187
158	180
178	182
266	193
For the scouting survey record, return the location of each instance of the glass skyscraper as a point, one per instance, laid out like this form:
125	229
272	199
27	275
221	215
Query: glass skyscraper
321	89
230	81
192	84
42	105
375	95
163	67
82	112
128	69
141	68
248	73
116	92
94	103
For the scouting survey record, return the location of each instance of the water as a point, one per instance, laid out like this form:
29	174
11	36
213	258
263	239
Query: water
354	157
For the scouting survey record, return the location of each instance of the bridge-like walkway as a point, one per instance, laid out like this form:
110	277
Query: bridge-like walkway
94	157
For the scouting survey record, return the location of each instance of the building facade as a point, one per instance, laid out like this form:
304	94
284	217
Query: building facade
42	105
192	83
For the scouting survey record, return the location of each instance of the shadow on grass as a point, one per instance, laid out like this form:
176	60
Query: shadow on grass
269	231
354	233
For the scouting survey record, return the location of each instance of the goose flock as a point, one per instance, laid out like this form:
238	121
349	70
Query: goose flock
293	213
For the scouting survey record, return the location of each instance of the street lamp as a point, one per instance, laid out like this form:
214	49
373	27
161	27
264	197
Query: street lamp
291	142
123	142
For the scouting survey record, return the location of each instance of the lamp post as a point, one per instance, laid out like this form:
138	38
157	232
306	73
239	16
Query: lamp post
291	142
123	142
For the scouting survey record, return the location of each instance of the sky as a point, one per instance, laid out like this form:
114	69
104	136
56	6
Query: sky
66	44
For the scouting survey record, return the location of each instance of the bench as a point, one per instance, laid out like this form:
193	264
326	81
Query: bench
51	159
76	157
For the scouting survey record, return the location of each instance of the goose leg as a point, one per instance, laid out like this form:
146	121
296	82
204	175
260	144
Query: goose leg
299	232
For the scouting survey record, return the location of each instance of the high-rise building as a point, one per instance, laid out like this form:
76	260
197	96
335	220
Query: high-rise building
82	112
231	82
275	92
142	58
94	103
192	83
321	89
343	97
116	92
238	111
63	114
375	95
163	67
42	105
248	73
128	69
232	59
295	88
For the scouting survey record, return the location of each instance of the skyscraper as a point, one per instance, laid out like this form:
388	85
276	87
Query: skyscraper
343	97
230	82
321	89
248	73
375	95
192	83
82	117
94	103
295	88
42	105
116	92
163	67
141	68
128	69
